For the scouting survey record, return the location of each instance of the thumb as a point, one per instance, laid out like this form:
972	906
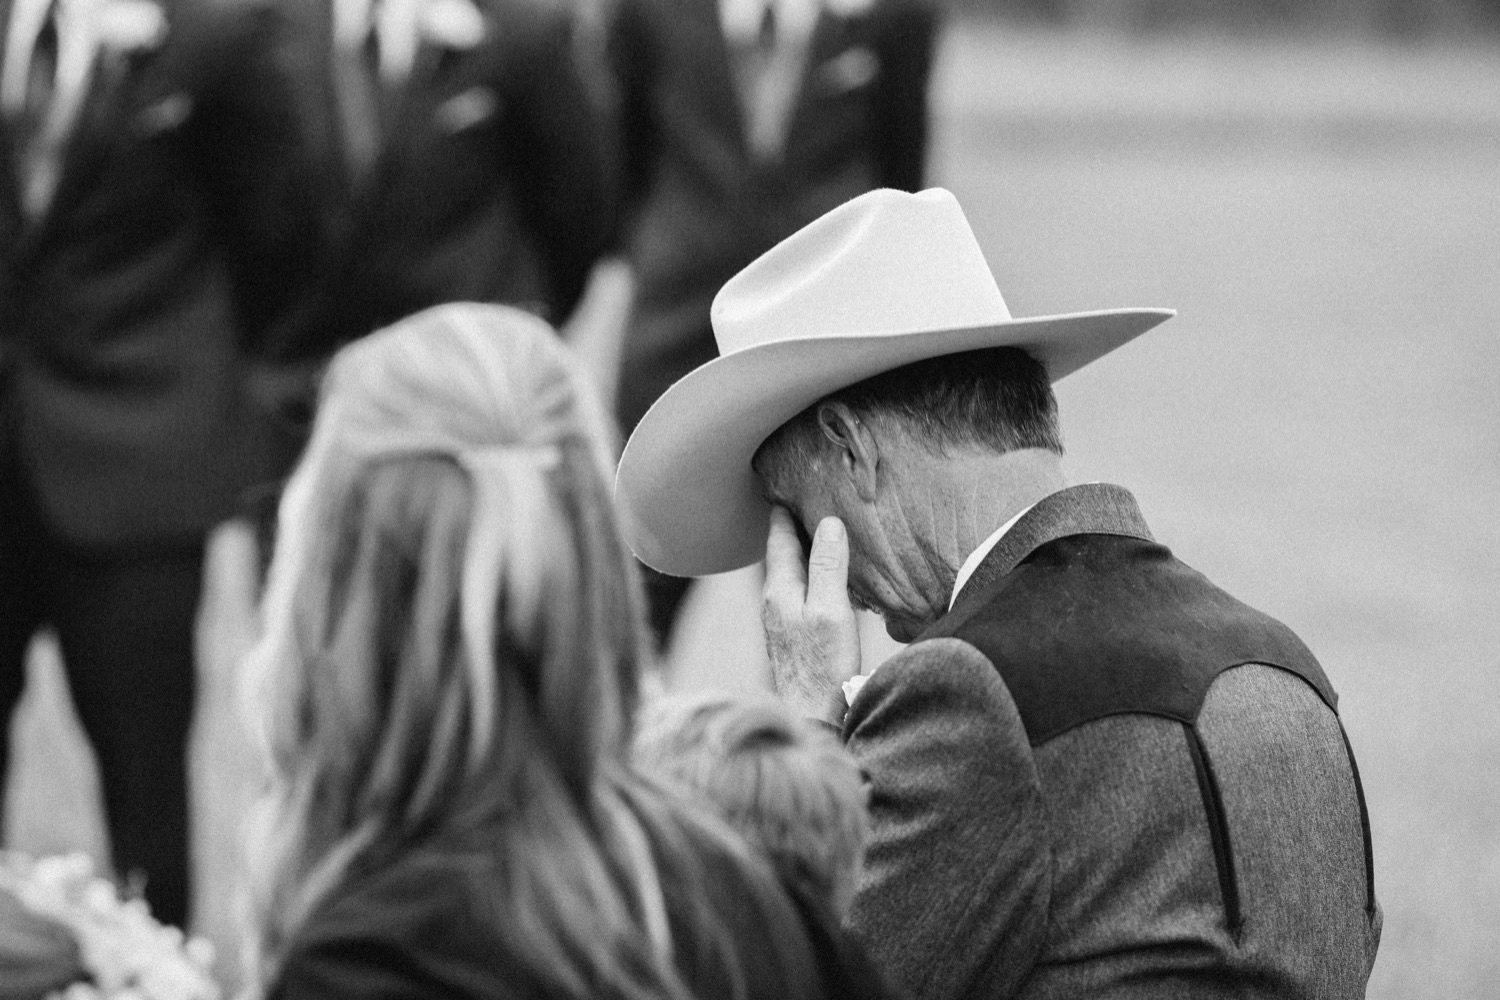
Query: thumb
828	566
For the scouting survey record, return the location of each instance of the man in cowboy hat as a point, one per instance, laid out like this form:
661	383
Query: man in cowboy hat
1093	773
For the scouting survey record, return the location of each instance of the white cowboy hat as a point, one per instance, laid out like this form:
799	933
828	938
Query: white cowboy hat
884	280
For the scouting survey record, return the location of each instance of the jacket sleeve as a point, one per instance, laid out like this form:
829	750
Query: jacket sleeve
908	39
953	897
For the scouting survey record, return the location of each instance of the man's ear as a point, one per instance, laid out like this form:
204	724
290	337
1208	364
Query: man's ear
858	447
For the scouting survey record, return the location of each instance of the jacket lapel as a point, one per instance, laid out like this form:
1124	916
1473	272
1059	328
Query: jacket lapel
409	110
316	66
357	105
10	191
1090	509
828	38
403	112
99	122
713	65
10	203
10	178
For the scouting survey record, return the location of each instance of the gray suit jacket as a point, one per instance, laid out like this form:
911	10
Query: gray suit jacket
1042	828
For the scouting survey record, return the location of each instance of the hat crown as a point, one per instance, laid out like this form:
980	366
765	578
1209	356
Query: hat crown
884	264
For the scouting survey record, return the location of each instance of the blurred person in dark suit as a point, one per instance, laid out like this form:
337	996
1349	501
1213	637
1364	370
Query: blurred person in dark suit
466	159
743	120
154	209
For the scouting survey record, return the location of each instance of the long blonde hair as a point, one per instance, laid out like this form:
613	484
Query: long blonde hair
452	644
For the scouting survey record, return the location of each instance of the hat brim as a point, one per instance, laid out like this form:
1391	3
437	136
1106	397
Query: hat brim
692	505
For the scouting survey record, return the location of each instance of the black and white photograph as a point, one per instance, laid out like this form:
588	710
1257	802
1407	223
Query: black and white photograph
749	499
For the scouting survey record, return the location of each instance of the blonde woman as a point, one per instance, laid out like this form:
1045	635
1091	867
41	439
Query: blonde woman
447	683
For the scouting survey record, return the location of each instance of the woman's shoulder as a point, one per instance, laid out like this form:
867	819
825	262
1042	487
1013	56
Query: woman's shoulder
734	933
414	929
739	932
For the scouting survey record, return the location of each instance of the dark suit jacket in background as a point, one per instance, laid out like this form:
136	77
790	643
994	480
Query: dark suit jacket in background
178	239
494	182
700	206
1100	776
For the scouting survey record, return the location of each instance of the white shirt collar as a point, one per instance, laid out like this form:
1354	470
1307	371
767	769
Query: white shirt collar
396	21
78	36
740	19
26	20
855	684
977	556
352	20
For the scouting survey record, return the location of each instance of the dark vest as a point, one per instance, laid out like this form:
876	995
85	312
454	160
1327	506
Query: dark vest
1095	625
1085	616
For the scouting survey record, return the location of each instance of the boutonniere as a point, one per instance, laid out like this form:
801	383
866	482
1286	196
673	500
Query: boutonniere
131	26
452	24
848	8
852	68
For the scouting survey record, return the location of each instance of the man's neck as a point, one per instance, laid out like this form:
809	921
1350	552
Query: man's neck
969	495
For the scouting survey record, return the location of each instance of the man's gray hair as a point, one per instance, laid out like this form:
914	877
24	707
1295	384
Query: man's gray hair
998	398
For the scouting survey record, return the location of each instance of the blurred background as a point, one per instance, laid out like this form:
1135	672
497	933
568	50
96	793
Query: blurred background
1315	186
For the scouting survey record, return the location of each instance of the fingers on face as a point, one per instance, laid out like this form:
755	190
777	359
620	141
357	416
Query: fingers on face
786	571
828	565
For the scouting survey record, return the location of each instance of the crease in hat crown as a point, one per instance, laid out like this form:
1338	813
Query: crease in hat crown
884	264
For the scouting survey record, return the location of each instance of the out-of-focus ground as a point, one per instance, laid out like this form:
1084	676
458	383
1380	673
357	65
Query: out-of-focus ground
1318	430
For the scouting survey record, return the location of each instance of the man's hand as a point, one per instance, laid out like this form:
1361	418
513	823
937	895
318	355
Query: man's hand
812	637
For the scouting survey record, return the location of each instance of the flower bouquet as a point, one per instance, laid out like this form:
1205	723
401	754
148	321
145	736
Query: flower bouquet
66	933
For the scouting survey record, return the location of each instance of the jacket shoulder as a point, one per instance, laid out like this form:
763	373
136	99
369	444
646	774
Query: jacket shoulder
1090	626
942	702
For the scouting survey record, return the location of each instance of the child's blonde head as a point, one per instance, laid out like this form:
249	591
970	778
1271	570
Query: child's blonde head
783	782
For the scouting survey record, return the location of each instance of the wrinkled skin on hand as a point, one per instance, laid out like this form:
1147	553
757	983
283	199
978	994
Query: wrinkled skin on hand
812	636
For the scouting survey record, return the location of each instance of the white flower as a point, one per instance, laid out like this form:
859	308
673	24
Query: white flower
854	685
452	24
849	8
131	25
127	953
